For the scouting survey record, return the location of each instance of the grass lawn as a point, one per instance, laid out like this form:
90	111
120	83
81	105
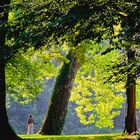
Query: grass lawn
79	137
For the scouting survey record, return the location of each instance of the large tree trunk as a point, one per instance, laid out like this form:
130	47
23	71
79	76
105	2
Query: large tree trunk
6	132
54	122
130	120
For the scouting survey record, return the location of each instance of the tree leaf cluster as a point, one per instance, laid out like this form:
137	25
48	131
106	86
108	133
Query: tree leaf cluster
26	72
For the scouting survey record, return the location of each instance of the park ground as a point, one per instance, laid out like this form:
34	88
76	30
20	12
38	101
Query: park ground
80	137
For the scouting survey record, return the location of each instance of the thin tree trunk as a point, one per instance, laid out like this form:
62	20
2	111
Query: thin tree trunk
130	120
6	132
54	122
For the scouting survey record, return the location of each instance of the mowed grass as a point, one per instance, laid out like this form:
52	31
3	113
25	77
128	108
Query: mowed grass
78	137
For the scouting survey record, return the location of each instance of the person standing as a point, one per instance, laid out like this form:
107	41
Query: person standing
30	125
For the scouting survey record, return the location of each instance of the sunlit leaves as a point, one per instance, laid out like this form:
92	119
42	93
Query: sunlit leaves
26	72
98	100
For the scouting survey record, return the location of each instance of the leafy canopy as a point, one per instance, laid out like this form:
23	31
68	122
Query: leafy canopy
98	101
26	72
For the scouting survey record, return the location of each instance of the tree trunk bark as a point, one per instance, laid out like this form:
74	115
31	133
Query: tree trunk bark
6	132
54	121
130	120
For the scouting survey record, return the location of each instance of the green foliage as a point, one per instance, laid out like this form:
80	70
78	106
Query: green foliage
26	72
130	30
72	21
98	101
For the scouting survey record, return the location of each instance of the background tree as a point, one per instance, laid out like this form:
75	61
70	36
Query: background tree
130	120
130	33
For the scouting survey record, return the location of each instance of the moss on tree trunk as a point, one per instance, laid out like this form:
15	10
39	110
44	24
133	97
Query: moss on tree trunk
54	121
